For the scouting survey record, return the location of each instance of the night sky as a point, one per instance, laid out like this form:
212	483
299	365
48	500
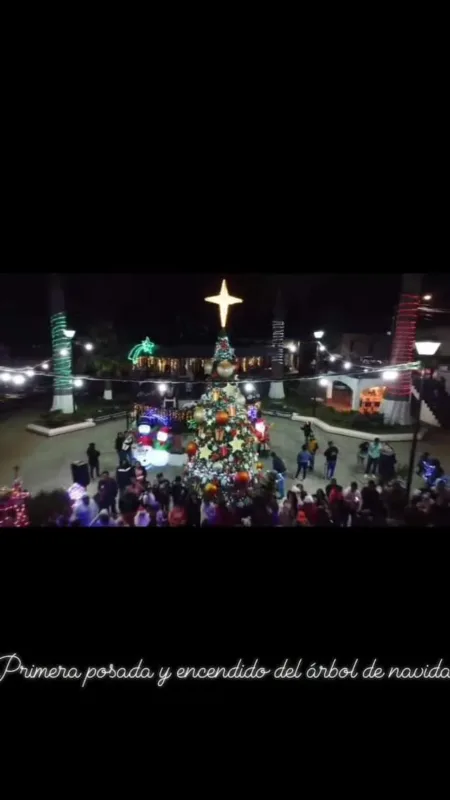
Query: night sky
169	306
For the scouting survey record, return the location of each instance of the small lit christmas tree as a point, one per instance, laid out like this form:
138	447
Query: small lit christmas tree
13	509
222	453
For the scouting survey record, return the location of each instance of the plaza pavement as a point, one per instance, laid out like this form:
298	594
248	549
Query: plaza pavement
45	462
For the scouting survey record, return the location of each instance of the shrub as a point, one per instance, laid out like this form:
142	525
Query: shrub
56	419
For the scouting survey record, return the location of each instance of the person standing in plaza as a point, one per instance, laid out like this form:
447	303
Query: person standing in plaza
313	446
303	462
307	431
388	460
93	456
353	502
331	455
120	438
373	458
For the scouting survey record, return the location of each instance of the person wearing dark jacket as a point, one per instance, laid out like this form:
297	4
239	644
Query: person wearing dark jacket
387	462
278	464
331	454
178	491
107	492
120	438
307	430
193	506
93	456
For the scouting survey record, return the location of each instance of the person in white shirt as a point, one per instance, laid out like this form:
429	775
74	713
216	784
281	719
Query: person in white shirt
142	519
85	511
353	502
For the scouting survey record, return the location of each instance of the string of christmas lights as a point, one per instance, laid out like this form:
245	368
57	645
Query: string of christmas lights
62	354
356	372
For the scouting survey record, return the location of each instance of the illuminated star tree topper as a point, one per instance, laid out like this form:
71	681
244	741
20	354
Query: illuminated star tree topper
145	348
224	301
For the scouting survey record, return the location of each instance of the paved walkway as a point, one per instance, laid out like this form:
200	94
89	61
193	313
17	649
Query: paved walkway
45	462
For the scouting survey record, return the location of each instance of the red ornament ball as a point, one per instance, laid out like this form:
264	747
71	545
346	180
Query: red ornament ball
191	449
242	477
224	451
222	417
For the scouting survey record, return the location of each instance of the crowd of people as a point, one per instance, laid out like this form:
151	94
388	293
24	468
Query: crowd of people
133	497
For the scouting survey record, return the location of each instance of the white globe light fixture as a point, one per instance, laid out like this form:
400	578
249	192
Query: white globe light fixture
68	333
319	334
18	380
64	351
322	348
5	376
89	346
390	375
162	388
78	382
45	365
323	382
427	297
249	387
427	348
29	373
332	359
292	348
347	365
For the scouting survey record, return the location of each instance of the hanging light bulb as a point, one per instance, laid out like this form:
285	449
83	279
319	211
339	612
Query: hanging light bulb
5	376
29	373
18	380
45	365
64	351
78	382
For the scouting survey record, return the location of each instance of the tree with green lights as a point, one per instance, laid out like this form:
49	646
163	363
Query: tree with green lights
61	350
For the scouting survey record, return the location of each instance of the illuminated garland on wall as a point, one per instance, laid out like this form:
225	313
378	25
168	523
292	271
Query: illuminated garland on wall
62	364
403	343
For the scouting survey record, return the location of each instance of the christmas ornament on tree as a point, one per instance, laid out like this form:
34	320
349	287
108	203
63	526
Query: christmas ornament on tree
199	414
242	477
191	449
226	369
221	417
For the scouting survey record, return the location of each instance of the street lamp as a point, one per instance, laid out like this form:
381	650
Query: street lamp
323	382
29	373
64	351
5	376
423	349
390	375
162	387
318	335
89	346
78	383
427	297
347	365
249	387
45	365
18	380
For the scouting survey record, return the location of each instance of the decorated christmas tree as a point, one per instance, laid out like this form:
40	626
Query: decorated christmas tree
222	453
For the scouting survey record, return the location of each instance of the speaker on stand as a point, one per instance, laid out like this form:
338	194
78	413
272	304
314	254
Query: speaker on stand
80	473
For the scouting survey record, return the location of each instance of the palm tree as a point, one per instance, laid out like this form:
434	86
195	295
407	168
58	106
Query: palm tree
276	391
61	350
105	361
